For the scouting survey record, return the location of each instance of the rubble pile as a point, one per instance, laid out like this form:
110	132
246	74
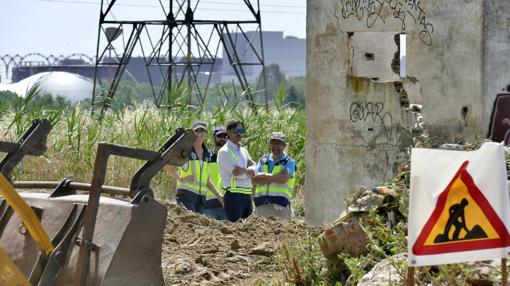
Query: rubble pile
198	250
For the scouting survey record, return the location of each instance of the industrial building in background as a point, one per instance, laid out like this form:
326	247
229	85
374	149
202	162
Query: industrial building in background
288	52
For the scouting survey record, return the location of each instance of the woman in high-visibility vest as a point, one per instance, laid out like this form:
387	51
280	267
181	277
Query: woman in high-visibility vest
193	181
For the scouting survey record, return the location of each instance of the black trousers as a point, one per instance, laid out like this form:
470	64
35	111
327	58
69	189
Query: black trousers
191	201
237	206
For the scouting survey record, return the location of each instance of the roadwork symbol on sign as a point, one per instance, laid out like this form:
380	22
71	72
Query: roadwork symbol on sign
462	220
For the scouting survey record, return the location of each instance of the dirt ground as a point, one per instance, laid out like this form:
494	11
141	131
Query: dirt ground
198	250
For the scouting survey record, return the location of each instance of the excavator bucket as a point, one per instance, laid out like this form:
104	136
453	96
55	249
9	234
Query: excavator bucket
100	235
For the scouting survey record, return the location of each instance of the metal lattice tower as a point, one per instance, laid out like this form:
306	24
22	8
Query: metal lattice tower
177	46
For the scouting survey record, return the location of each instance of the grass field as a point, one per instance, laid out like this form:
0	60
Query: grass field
73	141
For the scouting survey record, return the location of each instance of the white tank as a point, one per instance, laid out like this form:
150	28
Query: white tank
72	87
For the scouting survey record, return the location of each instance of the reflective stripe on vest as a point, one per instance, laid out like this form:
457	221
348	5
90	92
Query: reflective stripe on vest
200	175
275	190
233	181
214	174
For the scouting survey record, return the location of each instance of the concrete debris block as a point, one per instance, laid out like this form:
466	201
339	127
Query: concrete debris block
344	237
365	200
385	273
225	230
451	146
238	259
366	203
210	249
482	273
235	245
343	216
263	249
183	266
202	260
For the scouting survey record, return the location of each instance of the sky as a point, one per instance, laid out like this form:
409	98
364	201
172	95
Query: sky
64	27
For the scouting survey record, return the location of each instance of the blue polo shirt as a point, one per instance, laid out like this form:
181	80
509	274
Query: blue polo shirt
288	163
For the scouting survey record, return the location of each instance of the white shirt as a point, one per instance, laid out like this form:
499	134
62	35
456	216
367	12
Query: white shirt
227	164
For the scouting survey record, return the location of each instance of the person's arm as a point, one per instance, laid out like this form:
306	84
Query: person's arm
281	177
258	178
213	189
249	170
278	178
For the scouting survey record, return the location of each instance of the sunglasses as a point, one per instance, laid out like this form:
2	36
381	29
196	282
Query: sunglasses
222	135
200	130
238	130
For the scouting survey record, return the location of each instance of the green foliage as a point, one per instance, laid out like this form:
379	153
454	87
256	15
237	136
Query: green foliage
296	94
33	105
303	263
274	76
384	242
448	274
75	135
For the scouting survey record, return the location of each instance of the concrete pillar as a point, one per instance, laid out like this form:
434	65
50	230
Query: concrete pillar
497	54
358	127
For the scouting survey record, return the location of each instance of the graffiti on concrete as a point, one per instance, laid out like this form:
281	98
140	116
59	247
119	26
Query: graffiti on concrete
405	11
363	111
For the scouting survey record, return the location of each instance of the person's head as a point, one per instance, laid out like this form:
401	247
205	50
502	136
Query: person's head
200	130
277	144
235	130
220	136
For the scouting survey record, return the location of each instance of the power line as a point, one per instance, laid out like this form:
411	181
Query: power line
264	5
211	9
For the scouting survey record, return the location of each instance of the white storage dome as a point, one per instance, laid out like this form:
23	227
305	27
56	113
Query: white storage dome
72	87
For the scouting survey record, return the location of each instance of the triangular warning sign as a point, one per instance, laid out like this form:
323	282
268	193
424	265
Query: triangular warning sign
462	220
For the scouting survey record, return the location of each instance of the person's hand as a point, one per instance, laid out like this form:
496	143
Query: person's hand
260	176
238	171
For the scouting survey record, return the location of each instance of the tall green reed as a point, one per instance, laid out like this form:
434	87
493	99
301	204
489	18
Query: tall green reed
73	141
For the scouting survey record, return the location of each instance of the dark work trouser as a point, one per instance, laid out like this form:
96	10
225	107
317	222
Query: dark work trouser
237	206
191	201
217	213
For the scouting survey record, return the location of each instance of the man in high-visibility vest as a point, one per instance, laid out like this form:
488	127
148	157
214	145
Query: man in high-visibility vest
275	180
193	180
236	170
212	207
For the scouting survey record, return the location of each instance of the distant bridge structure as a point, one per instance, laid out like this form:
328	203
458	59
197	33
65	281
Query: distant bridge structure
8	62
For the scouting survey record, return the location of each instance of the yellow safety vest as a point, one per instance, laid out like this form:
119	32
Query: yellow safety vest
214	174
233	188
275	190
200	175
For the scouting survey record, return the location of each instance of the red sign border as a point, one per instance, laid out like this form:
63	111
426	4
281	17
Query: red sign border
419	247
